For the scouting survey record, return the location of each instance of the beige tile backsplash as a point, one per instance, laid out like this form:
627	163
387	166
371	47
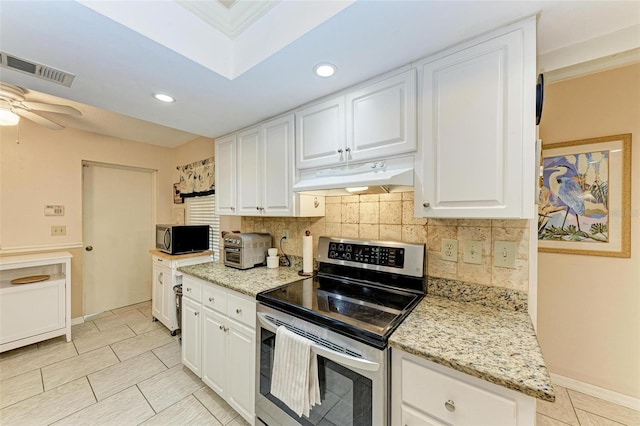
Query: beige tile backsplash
390	217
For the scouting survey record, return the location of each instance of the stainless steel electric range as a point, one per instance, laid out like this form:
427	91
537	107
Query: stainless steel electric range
362	291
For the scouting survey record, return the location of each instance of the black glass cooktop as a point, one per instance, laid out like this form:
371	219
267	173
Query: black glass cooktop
363	311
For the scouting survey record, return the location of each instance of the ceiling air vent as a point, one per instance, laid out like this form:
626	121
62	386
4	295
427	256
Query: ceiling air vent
37	70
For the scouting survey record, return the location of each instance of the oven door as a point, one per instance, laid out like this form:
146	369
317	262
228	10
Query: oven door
233	256
352	385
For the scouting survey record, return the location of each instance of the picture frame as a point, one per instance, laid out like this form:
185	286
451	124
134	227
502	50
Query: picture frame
177	199
585	197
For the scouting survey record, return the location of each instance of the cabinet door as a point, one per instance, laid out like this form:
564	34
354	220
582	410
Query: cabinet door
381	118
162	301
226	184
411	417
191	335
157	293
320	134
250	175
478	130
277	163
214	349
241	358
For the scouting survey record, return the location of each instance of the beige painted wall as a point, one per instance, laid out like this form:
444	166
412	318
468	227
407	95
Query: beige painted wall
45	167
589	306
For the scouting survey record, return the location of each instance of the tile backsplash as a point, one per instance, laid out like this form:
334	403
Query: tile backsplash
390	217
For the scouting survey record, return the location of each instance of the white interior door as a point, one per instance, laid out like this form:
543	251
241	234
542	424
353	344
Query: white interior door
117	233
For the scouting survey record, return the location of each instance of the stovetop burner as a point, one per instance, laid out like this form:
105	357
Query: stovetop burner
359	299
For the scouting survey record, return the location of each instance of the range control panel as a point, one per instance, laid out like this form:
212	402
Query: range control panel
369	254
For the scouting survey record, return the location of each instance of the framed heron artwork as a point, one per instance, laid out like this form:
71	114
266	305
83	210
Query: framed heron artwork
585	197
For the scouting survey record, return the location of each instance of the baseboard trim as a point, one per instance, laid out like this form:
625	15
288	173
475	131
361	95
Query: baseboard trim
596	391
30	249
76	321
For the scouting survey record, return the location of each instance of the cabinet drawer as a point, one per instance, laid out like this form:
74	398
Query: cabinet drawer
241	310
192	289
157	260
214	298
451	400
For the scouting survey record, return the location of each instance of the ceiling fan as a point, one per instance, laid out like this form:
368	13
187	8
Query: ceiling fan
12	100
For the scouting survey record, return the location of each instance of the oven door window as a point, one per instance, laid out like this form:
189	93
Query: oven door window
232	255
346	396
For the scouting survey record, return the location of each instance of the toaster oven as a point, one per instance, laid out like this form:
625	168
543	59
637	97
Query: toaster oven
244	251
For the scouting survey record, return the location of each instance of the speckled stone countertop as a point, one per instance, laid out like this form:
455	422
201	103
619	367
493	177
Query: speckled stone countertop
496	345
247	281
457	330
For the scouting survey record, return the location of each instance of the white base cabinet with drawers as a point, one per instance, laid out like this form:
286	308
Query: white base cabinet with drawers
165	277
219	340
425	393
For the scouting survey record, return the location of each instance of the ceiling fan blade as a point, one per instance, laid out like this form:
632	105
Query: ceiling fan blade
38	119
60	109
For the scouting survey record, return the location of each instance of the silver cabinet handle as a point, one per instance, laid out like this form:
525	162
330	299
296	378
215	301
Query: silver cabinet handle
238	311
426	205
88	248
257	208
196	313
160	278
189	289
226	329
221	327
211	299
340	151
233	209
450	406
348	149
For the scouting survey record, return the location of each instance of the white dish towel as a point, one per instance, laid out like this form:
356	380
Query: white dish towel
295	372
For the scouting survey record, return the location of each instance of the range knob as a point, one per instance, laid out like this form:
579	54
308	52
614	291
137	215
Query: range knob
347	256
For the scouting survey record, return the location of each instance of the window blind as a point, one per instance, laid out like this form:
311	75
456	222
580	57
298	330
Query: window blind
201	211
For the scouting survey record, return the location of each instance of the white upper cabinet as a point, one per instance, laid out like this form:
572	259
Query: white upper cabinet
226	182
374	121
320	134
250	171
277	157
477	128
262	182
381	118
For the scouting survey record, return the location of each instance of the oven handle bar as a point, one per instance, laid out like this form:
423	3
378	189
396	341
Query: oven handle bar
340	358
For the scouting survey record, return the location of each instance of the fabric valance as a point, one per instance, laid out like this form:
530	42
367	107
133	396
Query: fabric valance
197	178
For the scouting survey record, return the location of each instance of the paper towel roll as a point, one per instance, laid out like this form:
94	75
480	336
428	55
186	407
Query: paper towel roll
307	254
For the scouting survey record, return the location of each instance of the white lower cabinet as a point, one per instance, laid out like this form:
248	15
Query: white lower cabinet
165	277
37	311
227	342
192	335
425	393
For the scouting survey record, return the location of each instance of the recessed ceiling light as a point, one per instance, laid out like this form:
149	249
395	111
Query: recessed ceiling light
163	98
324	70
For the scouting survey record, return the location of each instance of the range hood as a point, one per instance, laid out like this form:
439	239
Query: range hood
372	177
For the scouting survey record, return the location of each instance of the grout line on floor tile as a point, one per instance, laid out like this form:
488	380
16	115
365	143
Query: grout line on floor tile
148	402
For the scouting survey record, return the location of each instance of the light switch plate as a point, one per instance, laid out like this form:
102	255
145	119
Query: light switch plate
449	250
57	231
504	254
473	252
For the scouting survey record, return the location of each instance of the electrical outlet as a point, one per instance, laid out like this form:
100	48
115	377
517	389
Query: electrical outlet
285	234
504	254
57	231
449	250
473	252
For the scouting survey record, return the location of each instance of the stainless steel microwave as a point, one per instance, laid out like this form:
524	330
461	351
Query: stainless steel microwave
180	239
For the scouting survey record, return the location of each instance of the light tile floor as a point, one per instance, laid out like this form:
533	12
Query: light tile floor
124	369
121	368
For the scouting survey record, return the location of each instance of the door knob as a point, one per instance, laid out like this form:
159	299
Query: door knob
88	248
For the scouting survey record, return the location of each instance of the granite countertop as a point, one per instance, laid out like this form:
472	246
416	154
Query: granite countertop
247	281
496	345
